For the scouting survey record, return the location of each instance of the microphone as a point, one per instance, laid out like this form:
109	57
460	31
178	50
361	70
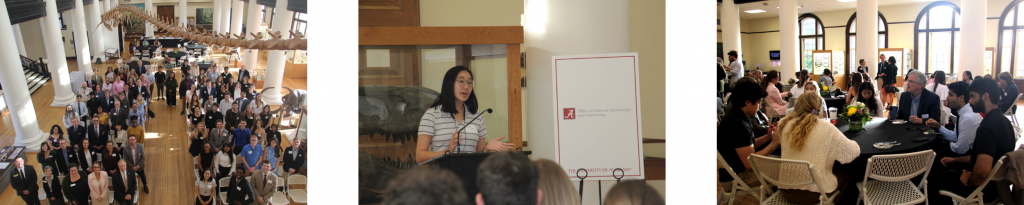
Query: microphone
458	145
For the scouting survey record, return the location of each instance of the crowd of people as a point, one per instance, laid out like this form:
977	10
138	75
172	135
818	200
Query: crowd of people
756	120
106	131
507	177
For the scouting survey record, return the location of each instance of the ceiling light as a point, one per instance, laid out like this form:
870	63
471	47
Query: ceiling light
754	11
846	0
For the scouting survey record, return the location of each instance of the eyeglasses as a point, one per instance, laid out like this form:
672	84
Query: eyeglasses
469	83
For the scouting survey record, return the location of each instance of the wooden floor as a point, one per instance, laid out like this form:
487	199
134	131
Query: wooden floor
168	163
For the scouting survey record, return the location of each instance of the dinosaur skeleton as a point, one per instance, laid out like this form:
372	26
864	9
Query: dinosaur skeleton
128	14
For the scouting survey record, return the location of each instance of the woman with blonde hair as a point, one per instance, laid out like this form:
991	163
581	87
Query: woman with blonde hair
555	184
805	135
633	192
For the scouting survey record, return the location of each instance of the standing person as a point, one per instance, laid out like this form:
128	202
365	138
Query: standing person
226	161
273	133
98	182
863	68
736	66
938	86
67	157
86	157
252	155
1010	92
273	154
137	130
76	133
197	136
264	183
51	186
69	114
23	180
205	186
98	134
80	108
260	133
125	185
239	190
882	63
119	137
451	110
119	115
213	115
183	90
148	81
294	157
45	155
135	155
206	157
110	158
55	134
172	89
219	136
234	116
242	136
76	186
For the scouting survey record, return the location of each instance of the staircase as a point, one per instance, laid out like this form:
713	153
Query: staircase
34	76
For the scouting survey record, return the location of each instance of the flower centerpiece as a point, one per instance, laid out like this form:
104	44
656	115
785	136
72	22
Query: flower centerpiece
824	90
791	82
857	115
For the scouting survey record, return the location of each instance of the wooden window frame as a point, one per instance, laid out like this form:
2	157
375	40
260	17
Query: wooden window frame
849	33
816	36
927	38
998	55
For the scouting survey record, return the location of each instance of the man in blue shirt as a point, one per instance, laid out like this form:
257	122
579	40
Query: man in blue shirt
241	137
962	138
918	104
252	155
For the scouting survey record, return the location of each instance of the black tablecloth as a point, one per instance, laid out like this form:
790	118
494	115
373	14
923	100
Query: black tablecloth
882	130
171	42
174	55
193	47
837	102
204	66
151	48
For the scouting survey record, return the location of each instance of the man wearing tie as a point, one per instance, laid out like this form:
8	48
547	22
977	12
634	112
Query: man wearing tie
23	180
65	156
96	79
80	108
118	115
135	156
219	136
263	184
98	135
124	184
76	133
293	158
207	90
239	191
243	75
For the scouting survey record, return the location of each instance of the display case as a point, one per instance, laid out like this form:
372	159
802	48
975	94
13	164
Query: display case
295	63
904	61
833	60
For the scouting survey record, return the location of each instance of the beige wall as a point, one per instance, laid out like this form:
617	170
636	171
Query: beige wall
647	37
470	13
901	30
33	38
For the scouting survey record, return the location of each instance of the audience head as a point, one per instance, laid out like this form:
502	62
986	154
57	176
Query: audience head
73	169
56	130
855	81
826	72
985	95
733	56
967	76
507	178
805	113
555	184
48	171
131	140
892	59
227	148
747	96
811	87
988	76
63	143
881	57
1004	79
266	166
867	91
772	77
456	89
428	186
803	75
916	80
633	192
862	62
959	95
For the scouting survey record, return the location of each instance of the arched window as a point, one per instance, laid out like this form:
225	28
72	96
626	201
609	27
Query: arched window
1010	53
851	39
812	37
937	37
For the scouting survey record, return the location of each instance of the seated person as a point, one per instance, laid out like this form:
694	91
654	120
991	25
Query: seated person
507	178
917	104
812	88
633	192
807	135
736	140
776	104
426	186
870	100
758	122
967	123
1009	92
993	139
938	86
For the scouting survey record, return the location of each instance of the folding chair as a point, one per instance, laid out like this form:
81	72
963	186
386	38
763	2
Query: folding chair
737	183
279	198
297	195
222	189
976	196
892	174
1010	112
770	170
145	58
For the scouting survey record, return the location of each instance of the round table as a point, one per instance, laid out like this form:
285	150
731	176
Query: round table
880	130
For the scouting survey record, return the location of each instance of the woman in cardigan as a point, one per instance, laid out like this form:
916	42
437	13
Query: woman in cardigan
775	102
806	135
52	187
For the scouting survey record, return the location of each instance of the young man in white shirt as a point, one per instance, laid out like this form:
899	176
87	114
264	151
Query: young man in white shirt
961	138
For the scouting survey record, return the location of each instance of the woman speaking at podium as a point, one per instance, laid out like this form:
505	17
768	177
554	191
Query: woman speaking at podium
453	110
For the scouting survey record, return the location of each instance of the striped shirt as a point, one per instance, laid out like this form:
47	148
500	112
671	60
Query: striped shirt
441	125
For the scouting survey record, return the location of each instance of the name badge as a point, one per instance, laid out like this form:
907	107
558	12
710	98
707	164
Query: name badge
239	188
924	115
15	175
269	182
72	185
289	152
113	155
250	152
471	129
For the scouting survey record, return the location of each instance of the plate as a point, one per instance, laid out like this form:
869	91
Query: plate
899	122
883	145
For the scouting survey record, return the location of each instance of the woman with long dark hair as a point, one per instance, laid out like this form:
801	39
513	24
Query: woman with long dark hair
775	102
56	133
868	97
968	77
205	187
45	156
938	86
451	111
855	80
225	161
802	80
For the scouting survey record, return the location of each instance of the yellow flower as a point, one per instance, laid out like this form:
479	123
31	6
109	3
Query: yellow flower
851	112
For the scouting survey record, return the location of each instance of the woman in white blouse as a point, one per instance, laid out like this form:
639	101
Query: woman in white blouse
775	102
204	188
225	161
806	135
939	86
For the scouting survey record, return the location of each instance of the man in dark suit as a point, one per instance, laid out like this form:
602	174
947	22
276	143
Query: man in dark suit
207	89
118	115
213	115
243	75
98	134
918	104
23	180
225	75
1010	92
293	158
65	156
881	64
124	184
239	190
138	67
76	133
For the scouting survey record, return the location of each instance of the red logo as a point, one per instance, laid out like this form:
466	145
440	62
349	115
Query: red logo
569	113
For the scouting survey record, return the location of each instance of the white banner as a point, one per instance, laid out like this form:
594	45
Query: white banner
597	110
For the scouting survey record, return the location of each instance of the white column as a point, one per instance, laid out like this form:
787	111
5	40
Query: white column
275	58
788	46
972	37
16	95
237	11
867	34
216	16
55	53
182	12
225	15
252	26
81	38
19	39
149	10
731	29
96	32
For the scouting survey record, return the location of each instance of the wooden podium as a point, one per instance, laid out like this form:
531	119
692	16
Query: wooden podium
464	165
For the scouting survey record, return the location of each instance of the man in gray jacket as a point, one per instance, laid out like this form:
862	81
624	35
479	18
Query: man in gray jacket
135	157
219	136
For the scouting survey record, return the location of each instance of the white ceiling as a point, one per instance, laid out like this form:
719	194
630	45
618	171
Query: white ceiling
809	6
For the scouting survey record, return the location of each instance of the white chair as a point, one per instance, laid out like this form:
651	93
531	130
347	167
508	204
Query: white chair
737	183
222	187
297	195
996	174
279	198
1016	132
145	58
892	174
945	116
770	170
1009	112
135	58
